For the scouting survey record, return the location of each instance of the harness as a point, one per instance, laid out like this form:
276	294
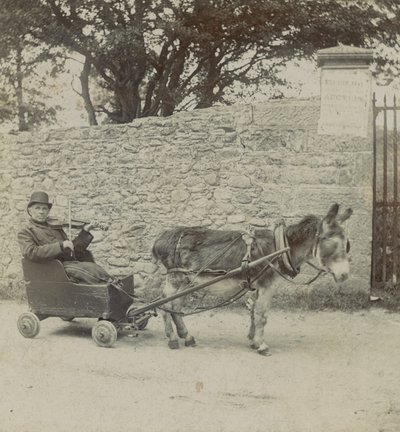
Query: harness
286	268
285	262
281	242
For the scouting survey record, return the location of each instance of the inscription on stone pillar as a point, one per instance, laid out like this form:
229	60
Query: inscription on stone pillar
345	91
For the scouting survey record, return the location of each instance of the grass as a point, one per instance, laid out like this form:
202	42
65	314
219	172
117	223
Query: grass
327	296
321	297
389	298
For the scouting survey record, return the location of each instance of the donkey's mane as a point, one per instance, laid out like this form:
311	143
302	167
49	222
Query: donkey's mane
303	230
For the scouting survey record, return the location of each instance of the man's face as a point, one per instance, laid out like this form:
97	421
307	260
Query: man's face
39	212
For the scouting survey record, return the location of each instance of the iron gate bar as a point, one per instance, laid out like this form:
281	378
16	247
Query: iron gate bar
395	225
375	112
384	209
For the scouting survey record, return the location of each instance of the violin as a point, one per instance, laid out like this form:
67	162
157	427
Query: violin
78	224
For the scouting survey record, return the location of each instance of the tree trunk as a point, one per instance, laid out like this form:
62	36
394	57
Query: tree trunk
19	93
170	96
128	101
207	91
84	78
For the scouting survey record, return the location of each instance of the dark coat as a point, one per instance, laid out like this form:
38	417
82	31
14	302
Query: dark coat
41	242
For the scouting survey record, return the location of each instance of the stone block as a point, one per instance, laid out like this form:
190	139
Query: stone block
236	218
308	176
180	195
334	144
24	137
240	181
22	184
131	200
144	267
212	179
243	198
200	203
224	208
317	200
118	261
222	194
287	113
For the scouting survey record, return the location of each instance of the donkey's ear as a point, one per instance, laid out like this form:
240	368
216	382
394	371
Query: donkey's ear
343	217
332	213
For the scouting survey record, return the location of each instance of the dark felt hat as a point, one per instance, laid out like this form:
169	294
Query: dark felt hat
39	198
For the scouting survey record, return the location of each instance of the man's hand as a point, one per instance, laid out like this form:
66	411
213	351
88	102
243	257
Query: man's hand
91	225
67	244
95	225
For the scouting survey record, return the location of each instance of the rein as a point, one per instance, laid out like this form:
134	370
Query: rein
239	294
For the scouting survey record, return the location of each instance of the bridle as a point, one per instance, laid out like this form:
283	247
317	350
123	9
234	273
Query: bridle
315	251
285	262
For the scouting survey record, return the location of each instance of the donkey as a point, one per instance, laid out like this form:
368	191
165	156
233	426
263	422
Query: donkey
196	253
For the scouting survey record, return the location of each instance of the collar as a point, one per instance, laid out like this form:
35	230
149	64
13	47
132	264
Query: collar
281	242
39	224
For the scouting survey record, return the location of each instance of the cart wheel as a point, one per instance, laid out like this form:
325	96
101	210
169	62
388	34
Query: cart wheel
69	319
28	324
104	333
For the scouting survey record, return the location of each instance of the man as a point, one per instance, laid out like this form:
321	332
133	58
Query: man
40	241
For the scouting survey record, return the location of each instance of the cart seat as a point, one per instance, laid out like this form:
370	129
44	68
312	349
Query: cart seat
51	271
54	271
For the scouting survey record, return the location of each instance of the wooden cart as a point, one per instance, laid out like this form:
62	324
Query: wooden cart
52	294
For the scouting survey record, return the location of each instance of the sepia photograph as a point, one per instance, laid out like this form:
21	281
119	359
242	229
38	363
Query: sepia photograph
200	215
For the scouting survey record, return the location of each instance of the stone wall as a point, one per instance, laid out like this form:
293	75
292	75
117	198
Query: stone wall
223	167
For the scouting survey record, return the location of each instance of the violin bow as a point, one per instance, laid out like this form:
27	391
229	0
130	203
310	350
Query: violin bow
69	220
70	226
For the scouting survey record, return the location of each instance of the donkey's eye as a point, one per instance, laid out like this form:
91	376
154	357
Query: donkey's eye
328	246
347	246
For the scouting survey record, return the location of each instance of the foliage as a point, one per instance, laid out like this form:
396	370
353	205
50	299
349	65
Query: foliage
387	66
23	78
156	57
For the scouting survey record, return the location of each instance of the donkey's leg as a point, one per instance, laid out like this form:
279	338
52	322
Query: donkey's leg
173	342
181	280
250	306
170	289
261	309
182	329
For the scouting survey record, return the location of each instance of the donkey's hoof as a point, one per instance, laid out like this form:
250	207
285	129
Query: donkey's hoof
173	344
264	351
254	346
190	341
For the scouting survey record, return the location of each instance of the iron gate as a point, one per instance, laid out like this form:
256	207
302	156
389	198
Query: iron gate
386	206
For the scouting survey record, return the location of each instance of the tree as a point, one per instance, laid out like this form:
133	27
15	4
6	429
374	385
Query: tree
156	57
387	64
22	98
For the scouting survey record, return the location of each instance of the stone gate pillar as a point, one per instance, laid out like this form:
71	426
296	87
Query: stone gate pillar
345	90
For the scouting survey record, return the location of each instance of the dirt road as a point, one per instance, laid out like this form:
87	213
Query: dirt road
329	371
